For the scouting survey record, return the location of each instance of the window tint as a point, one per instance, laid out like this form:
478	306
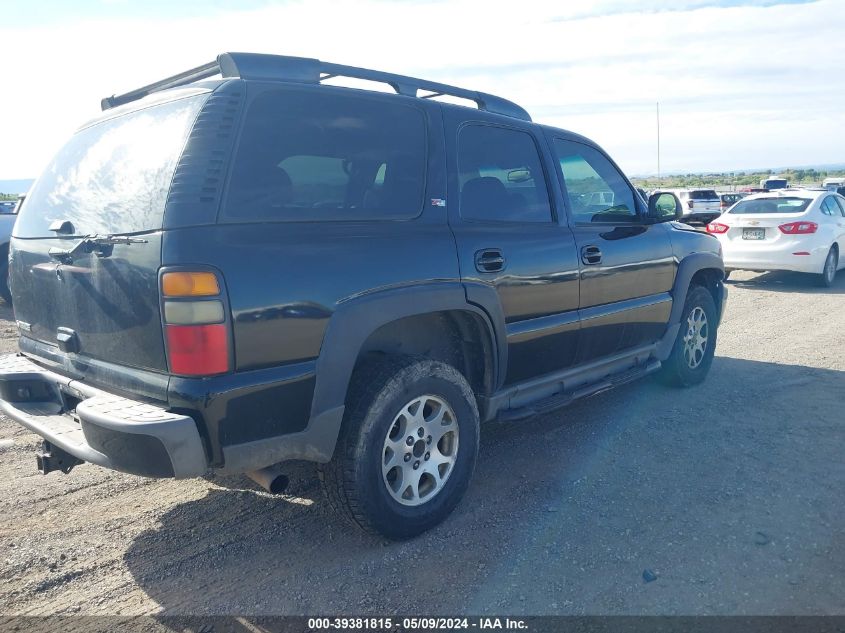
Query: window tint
704	194
323	156
778	204
597	191
501	176
830	206
839	203
112	177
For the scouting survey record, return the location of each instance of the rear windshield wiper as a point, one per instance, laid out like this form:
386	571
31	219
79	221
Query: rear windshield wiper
101	245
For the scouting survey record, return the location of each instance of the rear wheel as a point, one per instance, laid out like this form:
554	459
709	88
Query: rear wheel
692	353
831	263
407	448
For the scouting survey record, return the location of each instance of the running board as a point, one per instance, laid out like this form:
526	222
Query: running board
559	400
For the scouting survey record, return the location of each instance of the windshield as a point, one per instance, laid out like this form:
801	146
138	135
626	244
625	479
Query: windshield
112	177
771	205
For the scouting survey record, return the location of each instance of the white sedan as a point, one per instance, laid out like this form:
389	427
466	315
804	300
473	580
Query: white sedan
802	230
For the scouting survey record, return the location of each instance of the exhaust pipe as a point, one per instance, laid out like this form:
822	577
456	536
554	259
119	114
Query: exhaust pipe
270	478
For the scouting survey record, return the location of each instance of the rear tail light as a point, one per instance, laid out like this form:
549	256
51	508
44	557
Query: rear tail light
798	228
194	324
690	204
717	228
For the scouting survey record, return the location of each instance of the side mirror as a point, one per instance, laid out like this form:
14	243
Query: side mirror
664	207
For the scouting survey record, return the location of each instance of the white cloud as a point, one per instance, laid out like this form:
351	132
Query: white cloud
741	86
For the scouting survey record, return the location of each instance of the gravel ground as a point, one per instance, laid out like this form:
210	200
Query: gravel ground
722	499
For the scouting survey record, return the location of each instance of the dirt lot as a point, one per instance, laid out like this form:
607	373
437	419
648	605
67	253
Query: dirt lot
731	494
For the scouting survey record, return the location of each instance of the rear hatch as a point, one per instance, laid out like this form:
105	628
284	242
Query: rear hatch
97	297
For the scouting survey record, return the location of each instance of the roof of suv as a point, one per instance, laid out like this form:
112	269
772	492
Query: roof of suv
261	67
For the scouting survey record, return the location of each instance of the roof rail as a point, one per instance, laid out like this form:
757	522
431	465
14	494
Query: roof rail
307	70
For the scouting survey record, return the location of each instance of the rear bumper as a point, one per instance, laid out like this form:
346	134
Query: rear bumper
705	217
99	427
777	260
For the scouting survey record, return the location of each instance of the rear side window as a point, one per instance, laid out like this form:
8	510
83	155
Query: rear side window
703	194
830	206
501	176
114	176
317	155
771	205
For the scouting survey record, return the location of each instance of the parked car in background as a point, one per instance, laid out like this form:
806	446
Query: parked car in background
801	230
700	205
772	184
836	185
727	200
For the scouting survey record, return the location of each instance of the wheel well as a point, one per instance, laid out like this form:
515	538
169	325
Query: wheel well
709	278
459	338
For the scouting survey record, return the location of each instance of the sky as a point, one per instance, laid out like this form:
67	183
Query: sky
741	84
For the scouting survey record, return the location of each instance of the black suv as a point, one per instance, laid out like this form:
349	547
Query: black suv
224	273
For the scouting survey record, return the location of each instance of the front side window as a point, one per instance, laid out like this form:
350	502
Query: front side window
597	192
312	155
500	176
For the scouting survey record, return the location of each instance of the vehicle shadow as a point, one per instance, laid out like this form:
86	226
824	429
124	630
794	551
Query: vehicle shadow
564	514
783	281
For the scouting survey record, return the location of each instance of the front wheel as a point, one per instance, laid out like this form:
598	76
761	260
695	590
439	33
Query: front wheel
692	353
407	449
831	263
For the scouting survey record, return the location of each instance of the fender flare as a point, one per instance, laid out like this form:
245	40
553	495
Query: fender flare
687	269
357	318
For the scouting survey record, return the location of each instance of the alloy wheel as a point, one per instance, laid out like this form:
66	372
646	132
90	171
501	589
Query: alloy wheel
695	339
420	450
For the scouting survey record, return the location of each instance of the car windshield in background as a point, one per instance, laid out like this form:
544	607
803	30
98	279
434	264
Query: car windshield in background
112	177
703	194
7	207
771	205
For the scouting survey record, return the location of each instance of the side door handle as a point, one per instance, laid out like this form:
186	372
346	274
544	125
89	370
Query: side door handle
591	255
489	260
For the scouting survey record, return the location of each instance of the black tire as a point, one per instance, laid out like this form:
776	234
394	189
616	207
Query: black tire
831	263
353	480
4	280
677	370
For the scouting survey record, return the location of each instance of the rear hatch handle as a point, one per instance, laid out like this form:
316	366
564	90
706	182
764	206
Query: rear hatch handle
101	245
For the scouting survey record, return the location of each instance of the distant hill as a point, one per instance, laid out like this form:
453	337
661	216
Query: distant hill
15	186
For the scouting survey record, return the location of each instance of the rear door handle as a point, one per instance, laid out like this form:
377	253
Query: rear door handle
489	260
591	255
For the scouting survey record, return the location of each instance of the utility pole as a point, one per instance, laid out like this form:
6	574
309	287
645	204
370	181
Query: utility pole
658	144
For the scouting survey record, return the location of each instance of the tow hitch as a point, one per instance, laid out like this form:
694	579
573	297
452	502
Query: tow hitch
51	458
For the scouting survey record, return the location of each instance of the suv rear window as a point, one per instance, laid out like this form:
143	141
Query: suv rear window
771	205
703	194
113	176
320	155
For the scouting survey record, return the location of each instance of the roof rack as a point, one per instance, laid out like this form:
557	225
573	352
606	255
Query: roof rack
306	70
